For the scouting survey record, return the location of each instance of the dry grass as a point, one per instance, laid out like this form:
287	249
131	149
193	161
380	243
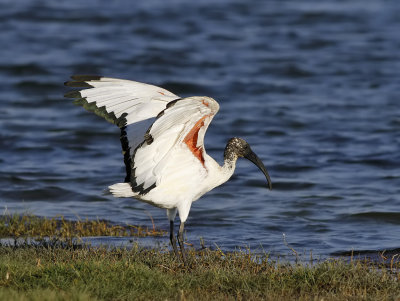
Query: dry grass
23	226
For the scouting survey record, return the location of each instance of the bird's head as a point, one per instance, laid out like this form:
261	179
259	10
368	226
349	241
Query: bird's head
238	147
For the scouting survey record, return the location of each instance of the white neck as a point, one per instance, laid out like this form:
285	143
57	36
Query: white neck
222	173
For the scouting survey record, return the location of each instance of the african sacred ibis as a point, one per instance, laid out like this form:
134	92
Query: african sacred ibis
162	137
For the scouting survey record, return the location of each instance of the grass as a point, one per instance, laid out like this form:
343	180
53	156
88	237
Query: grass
52	272
39	273
23	226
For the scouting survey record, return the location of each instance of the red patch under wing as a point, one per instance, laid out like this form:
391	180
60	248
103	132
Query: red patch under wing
191	140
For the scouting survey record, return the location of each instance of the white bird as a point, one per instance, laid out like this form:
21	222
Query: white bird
162	138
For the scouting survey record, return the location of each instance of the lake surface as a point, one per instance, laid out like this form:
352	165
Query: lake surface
313	86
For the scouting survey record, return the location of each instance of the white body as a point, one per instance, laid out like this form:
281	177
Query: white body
178	190
167	165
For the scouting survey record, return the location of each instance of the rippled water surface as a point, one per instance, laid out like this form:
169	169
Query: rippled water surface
313	86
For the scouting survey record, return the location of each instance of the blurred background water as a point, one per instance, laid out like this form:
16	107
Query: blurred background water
312	85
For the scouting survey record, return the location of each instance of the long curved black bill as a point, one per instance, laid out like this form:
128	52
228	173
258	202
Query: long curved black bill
253	158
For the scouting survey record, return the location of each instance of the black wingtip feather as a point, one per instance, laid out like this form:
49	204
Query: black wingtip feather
73	94
81	81
76	84
172	103
121	121
85	77
148	138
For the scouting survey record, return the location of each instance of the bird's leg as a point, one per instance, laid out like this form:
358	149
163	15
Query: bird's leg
180	241
172	238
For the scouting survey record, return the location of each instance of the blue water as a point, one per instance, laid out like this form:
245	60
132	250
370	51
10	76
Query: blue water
313	86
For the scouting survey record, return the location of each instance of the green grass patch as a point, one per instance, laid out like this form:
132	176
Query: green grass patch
37	273
30	226
43	271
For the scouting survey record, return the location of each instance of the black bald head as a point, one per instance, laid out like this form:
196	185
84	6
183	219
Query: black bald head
238	147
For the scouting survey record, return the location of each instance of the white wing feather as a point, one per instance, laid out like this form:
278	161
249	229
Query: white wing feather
159	148
111	98
167	148
130	105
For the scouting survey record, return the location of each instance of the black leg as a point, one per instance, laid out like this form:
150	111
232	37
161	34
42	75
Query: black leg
180	241
172	238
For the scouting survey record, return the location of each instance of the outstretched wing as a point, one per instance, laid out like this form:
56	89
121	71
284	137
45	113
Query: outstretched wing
174	143
130	105
119	101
